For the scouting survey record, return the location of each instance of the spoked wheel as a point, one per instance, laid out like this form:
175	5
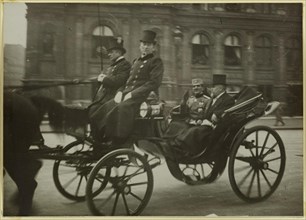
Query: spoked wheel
203	172
70	176
128	184
257	164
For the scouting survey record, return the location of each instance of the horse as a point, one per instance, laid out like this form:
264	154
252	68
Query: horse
21	127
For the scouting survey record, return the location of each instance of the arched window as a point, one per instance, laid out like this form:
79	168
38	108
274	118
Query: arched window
200	49
232	51
293	53
100	38
263	50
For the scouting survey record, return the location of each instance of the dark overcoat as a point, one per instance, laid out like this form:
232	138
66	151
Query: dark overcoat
116	76
145	76
194	138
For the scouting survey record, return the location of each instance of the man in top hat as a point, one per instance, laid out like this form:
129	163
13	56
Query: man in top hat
110	81
193	139
145	76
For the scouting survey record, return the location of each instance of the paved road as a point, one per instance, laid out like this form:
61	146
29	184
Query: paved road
173	198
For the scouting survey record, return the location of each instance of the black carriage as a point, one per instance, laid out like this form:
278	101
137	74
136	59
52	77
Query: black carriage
121	182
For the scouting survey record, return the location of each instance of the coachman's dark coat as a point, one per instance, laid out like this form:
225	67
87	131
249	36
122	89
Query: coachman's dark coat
116	76
146	76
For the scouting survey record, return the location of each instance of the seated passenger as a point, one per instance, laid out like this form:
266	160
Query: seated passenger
191	111
193	139
145	76
111	80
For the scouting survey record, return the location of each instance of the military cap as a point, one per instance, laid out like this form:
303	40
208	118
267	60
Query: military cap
197	82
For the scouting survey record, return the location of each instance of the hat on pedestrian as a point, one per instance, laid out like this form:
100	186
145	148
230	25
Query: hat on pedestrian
148	36
116	43
219	79
196	82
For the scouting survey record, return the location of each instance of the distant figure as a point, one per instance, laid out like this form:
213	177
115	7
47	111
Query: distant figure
278	116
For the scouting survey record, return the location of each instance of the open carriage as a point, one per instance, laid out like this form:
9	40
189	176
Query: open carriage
121	182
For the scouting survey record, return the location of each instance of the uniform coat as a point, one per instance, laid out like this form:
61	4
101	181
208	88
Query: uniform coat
116	76
195	107
145	76
194	138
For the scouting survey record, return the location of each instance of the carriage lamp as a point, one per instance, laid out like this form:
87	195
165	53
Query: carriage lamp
149	110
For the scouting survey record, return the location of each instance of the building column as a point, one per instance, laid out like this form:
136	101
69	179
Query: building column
280	79
79	47
218	62
249	77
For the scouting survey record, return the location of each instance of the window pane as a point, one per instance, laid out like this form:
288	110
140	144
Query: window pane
200	49
200	54
232	56
102	31
263	51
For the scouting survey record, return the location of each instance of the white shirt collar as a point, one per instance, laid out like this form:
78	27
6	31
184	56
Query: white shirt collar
216	98
119	58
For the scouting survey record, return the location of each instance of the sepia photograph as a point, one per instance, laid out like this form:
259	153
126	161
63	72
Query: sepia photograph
152	109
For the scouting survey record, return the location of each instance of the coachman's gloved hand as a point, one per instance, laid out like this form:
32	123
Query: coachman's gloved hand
118	97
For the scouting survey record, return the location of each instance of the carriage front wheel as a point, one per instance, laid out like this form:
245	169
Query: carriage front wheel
128	184
257	164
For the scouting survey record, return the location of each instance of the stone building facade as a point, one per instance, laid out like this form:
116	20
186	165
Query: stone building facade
14	64
259	45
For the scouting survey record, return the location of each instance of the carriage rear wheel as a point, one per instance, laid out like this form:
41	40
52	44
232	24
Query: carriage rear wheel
257	164
70	176
128	184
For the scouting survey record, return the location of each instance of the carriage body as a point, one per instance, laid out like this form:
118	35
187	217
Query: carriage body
126	174
257	152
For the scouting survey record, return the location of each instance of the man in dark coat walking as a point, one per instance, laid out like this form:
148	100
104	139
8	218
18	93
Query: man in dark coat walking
111	80
193	139
145	76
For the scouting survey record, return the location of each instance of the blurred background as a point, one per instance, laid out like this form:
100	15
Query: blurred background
254	44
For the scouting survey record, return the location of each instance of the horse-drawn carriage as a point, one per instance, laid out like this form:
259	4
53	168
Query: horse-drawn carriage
121	181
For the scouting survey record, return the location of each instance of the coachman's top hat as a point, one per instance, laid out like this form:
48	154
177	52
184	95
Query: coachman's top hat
196	82
219	79
148	36
116	43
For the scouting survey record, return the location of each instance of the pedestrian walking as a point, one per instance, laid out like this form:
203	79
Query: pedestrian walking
278	116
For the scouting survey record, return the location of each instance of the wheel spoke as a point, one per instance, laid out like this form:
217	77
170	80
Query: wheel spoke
270	150
137	197
264	144
240	169
276	158
125	204
244	159
258	183
108	199
256	141
251	184
136	173
69	182
245	177
202	170
264	175
78	187
137	184
273	171
115	204
67	172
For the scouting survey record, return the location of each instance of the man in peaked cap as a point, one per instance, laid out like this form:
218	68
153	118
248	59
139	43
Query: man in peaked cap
191	111
193	139
145	76
110	81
